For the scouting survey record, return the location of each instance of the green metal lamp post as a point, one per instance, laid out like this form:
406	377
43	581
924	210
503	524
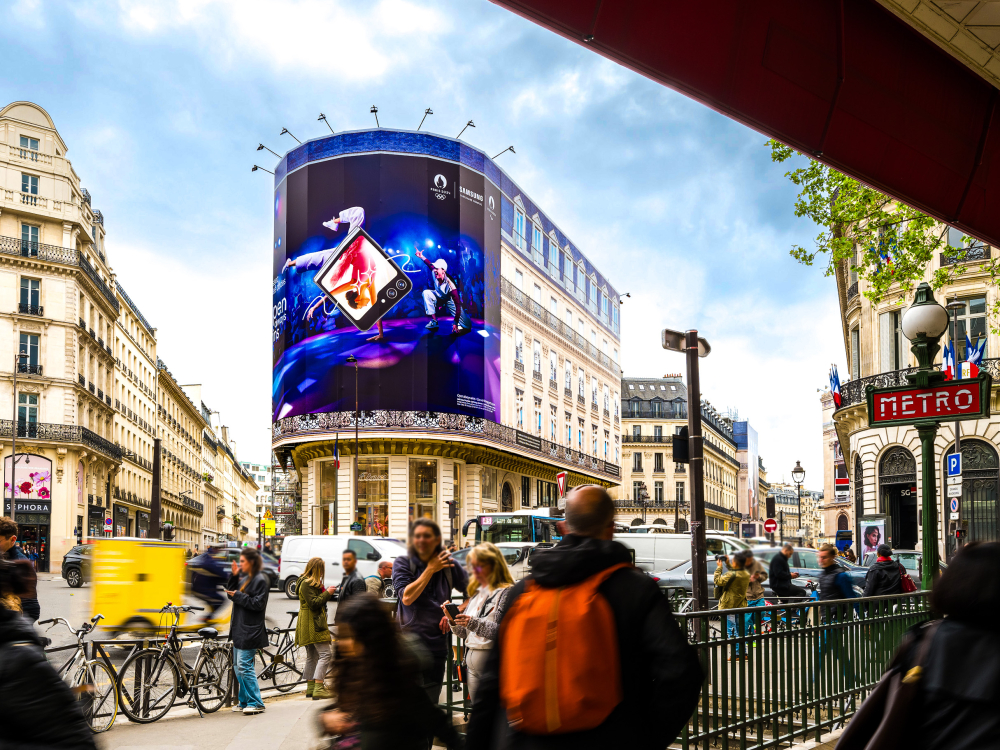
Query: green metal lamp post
924	322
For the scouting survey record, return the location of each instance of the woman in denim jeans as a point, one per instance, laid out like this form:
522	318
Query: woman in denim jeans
248	588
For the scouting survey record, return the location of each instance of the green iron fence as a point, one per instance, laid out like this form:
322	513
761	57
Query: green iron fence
792	671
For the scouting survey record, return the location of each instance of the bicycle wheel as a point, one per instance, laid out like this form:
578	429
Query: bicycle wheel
213	679
287	668
98	695
147	686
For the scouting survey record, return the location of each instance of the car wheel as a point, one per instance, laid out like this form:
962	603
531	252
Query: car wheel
74	578
291	587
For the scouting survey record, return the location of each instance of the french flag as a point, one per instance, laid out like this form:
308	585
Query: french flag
948	361
835	386
336	452
973	357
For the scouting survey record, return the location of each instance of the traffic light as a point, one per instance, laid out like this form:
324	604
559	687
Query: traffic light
168	532
681	446
770	506
452	508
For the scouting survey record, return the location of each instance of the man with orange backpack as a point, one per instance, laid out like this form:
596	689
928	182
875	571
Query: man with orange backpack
588	649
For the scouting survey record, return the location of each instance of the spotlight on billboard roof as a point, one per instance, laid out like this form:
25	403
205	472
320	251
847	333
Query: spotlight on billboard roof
509	148
427	111
374	111
323	118
286	130
469	124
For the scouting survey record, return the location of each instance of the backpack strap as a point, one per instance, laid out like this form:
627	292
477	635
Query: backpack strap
916	671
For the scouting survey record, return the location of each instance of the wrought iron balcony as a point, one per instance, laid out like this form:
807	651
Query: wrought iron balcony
554	385
536	375
56	254
29	369
967	255
91	387
518	366
60	433
568	393
581	400
25	309
83	380
852	291
853	391
100	395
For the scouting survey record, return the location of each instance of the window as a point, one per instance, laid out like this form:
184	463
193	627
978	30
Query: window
593	337
27	409
31	144
569	320
579	437
637	461
658	493
679	493
636	491
581	328
29	240
29	189
607	398
520	239
536	294
29	345
525	492
580	382
538	416
971	323
569	430
30	295
658	433
568	380
593	443
892	344
592	292
614	356
553	366
658	462
855	353
606	436
554	307
536	356
552	423
955	238
519	407
636	430
536	244
518	345
518	280
604	304
362	549
593	391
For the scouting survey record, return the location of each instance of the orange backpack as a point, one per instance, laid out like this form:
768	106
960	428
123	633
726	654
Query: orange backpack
559	670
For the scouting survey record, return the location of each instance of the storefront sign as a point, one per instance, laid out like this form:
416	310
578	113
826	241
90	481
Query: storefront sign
527	441
948	401
356	526
30	484
32	506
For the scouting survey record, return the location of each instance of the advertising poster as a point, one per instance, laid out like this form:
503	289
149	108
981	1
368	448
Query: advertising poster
393	260
872	534
32	485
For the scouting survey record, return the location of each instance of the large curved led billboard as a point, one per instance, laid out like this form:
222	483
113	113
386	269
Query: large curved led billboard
393	260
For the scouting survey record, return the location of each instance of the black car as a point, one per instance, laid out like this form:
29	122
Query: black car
76	565
228	555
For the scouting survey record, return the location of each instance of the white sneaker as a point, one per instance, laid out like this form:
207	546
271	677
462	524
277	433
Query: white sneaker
333	224
237	709
251	710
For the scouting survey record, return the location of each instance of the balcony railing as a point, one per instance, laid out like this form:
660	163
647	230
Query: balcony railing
29	369
422	421
518	366
568	393
83	380
30	154
55	254
60	433
536	375
25	309
853	391
852	291
967	255
136	458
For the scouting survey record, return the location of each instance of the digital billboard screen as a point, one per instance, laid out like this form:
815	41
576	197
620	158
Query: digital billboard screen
394	260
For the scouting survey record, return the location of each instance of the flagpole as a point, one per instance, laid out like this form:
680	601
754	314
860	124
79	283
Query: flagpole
336	491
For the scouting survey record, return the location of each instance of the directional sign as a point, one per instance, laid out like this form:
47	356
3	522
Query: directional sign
954	516
954	480
770	525
954	504
955	465
954	490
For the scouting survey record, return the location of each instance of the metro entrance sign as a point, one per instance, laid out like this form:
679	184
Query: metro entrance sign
952	400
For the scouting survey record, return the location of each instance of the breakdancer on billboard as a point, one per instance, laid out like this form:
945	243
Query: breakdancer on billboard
444	289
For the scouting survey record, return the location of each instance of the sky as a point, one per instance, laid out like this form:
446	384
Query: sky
162	106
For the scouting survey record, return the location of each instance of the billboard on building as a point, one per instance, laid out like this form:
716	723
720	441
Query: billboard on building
746	440
394	260
32	485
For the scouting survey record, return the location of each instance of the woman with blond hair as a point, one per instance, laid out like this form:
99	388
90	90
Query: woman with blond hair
489	585
312	631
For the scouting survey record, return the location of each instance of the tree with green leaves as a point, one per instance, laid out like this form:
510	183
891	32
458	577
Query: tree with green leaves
887	243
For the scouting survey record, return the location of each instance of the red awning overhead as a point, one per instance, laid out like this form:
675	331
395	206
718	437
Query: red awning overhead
843	80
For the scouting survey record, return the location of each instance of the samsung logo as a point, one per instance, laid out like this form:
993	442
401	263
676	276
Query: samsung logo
470	194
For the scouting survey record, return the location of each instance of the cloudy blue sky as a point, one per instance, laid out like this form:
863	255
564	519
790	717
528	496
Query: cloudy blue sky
163	104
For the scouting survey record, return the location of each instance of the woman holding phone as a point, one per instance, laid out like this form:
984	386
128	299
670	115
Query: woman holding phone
248	588
489	585
312	631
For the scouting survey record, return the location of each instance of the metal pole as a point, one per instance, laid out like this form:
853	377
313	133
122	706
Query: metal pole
154	500
958	425
798	504
13	435
781	525
699	565
357	419
927	432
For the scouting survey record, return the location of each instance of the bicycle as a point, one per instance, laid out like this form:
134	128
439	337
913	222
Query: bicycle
91	680
151	678
285	667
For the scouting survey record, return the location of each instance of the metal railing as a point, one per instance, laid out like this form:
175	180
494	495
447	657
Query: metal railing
853	391
782	672
56	254
25	309
966	255
61	433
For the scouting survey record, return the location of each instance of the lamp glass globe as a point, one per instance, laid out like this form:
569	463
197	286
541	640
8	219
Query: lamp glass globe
929	319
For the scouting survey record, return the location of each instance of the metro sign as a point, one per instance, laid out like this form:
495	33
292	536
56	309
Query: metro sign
948	401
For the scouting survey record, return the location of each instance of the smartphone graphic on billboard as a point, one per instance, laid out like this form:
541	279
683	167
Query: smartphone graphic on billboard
362	280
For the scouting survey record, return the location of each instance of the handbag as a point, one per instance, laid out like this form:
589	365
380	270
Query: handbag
881	720
907	583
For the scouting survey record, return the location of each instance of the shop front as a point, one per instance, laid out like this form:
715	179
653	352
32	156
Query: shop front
141	524
423	489
372	512
95	521
122	524
27	497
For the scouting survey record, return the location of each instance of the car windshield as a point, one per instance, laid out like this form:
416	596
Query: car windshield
910	560
765	555
808	558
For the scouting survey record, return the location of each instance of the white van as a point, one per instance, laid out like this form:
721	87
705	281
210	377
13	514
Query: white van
656	552
298	550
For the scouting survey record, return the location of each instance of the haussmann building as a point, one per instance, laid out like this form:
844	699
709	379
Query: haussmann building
415	280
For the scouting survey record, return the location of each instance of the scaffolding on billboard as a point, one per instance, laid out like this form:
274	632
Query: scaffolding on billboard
286	498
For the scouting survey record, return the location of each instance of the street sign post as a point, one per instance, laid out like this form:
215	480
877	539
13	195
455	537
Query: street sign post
770	525
954	504
955	465
954	490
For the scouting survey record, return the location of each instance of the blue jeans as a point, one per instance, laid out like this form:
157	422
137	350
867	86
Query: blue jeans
246	677
749	615
735	629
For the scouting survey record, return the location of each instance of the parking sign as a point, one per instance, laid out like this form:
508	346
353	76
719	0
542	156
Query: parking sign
954	505
955	465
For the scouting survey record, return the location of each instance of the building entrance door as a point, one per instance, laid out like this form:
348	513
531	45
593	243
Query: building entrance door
898	495
507	499
33	538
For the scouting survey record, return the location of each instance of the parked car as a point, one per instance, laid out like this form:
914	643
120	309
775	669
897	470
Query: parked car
517	554
297	550
805	562
76	565
664	551
227	555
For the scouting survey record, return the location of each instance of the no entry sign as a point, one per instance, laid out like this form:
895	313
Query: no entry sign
949	401
770	525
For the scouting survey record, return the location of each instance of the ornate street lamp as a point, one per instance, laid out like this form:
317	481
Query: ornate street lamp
799	476
924	322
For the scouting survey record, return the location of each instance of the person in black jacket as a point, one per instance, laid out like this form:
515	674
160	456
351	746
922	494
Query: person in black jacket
780	577
39	711
379	685
248	588
885	576
955	704
660	673
352	582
